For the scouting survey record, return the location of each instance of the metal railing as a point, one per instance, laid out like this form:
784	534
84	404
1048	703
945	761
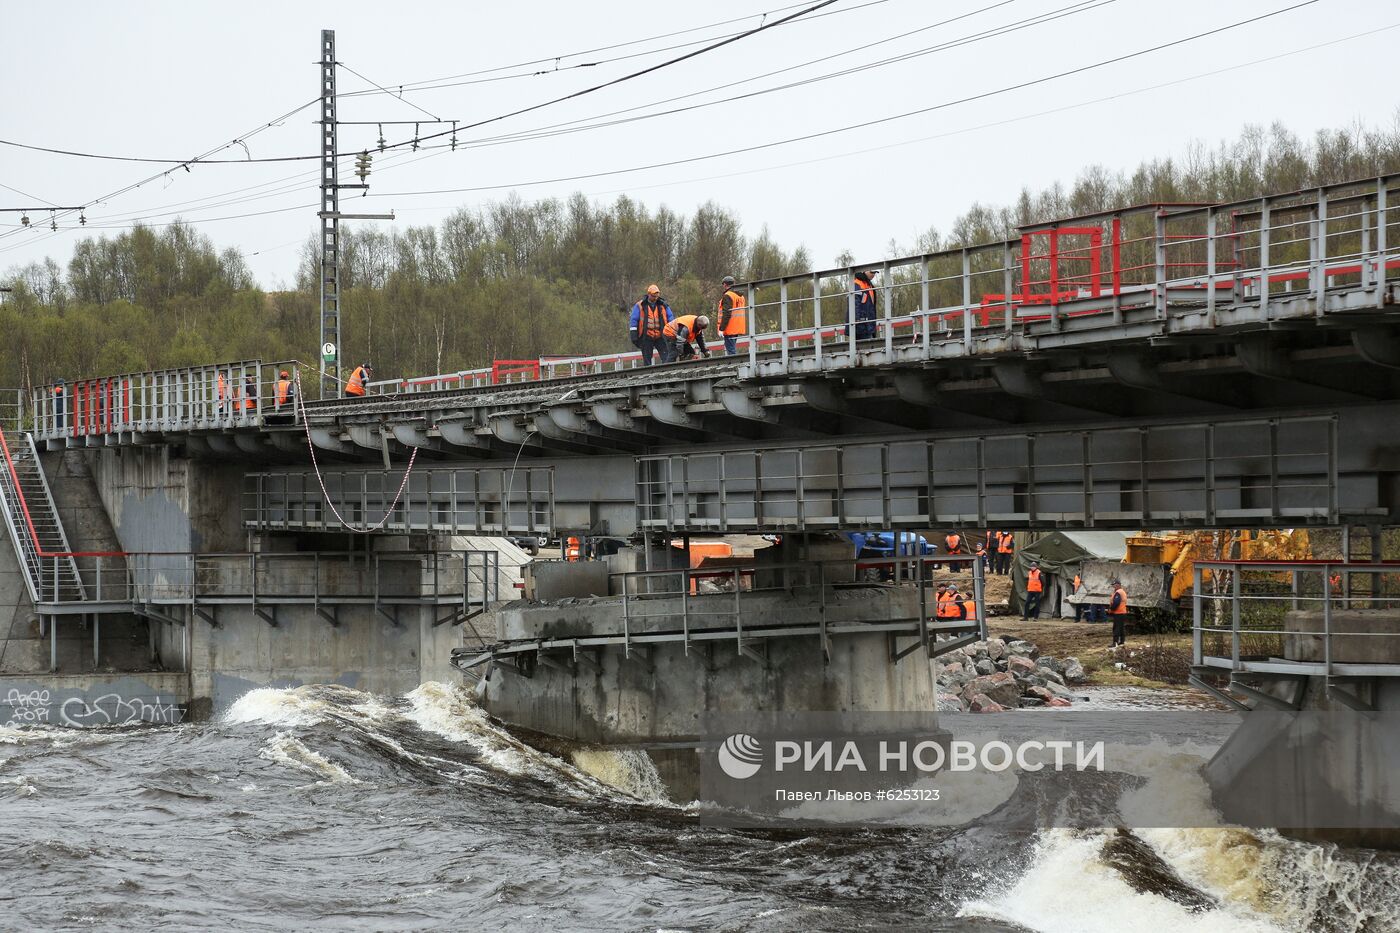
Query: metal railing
1243	470
241	394
1298	254
706	606
463	581
495	500
36	530
13	410
1303	618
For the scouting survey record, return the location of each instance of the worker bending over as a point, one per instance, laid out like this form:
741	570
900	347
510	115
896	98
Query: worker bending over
647	325
682	331
733	316
359	379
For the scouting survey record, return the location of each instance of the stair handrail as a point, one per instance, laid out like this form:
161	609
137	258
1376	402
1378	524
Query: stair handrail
39	549
28	559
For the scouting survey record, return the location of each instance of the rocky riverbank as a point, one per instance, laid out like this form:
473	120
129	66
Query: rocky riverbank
1004	673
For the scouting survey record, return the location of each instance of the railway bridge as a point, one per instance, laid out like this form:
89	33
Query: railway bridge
1171	365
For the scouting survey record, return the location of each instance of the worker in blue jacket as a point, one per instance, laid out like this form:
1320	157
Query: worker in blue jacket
864	317
649	319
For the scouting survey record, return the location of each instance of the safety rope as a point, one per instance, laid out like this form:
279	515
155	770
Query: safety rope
306	426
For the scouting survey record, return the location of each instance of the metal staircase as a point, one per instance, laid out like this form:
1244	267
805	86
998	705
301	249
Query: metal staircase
50	571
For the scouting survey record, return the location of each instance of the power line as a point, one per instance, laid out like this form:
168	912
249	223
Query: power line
185	163
907	142
387	91
868	123
598	122
236	141
433	84
27	194
616	81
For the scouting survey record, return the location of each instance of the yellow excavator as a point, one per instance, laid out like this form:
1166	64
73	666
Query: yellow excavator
1181	549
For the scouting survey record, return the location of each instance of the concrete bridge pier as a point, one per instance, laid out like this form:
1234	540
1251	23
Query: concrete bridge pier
645	670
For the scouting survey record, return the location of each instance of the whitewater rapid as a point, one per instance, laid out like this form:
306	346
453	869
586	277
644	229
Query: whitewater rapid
327	807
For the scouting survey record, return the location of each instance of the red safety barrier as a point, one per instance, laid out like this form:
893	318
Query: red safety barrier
502	370
29	521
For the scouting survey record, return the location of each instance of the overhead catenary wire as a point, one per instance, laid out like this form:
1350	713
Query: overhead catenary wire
386	90
1077	7
945	135
416	140
865	124
869	149
949	134
599	122
437	83
236	141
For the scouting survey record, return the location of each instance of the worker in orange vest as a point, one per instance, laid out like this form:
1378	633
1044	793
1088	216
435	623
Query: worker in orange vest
949	604
648	320
1118	608
1078	607
1006	545
968	607
682	331
1035	587
573	549
733	316
284	390
222	385
250	393
983	559
355	385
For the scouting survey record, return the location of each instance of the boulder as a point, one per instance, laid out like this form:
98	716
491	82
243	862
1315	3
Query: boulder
1031	702
996	649
1040	694
1059	690
981	703
1023	648
952	668
1074	671
986	666
1058	701
1050	676
1052	663
1020	666
1000	687
951	703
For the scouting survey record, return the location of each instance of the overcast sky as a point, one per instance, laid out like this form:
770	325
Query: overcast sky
172	80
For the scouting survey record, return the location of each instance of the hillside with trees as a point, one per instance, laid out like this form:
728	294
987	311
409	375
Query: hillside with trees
516	279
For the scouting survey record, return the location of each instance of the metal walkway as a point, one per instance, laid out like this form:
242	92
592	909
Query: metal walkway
1269	627
704	609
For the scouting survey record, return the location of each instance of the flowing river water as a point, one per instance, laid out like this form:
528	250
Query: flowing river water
326	808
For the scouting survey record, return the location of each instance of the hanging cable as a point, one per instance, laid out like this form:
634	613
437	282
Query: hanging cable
310	446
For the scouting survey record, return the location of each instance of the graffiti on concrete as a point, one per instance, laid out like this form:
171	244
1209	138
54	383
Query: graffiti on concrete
113	709
27	708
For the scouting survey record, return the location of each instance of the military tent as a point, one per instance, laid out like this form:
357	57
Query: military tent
1059	555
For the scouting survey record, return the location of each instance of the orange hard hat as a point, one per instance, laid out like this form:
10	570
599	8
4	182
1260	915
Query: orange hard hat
653	290
285	374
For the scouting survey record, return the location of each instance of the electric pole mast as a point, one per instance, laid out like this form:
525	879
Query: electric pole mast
330	225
